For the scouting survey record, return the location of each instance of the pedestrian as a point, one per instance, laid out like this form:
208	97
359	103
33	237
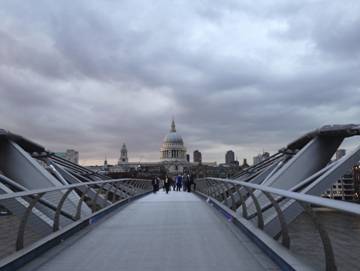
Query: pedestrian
173	183
163	183
193	182
185	183
178	182
188	177
167	184
155	184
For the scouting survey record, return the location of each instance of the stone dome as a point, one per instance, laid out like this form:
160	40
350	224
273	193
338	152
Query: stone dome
173	137
173	146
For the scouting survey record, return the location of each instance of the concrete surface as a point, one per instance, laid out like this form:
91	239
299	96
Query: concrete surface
175	231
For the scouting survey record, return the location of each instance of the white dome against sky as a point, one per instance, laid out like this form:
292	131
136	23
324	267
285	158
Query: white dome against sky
173	146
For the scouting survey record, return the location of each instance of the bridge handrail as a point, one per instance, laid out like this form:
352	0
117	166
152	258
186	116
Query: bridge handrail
222	193
348	207
63	187
30	216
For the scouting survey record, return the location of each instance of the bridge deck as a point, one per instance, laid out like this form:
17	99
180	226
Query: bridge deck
177	231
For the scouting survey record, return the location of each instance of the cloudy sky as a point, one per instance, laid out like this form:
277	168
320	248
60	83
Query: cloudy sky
241	75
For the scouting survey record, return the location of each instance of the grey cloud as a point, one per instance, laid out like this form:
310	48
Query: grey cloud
341	38
92	75
331	26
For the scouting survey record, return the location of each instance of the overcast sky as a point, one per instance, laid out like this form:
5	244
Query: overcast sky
242	75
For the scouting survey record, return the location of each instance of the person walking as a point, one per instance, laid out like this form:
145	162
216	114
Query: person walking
185	183
155	184
173	183
193	181
178	182
188	183
167	184
158	183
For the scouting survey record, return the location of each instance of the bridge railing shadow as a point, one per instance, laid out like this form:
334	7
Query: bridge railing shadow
310	235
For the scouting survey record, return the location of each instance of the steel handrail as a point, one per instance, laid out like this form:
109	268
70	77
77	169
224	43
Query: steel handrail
310	199
58	188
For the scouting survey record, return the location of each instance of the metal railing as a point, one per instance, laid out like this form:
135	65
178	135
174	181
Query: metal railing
238	196
29	216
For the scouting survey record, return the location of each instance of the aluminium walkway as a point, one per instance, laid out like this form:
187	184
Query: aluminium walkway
175	231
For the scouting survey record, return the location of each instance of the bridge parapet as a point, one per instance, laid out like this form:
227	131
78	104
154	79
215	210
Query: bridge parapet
30	220
233	197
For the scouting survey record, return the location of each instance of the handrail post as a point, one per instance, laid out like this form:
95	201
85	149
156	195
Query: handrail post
285	239
330	262
78	208
260	220
22	225
96	197
242	203
58	209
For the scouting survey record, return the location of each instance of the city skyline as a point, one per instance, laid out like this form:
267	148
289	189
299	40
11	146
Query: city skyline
242	76
111	159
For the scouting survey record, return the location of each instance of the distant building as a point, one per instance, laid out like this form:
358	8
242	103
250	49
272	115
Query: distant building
197	156
256	159
105	166
356	180
229	157
70	155
173	152
260	157
245	164
347	187
173	161
123	155
343	189
235	163
340	153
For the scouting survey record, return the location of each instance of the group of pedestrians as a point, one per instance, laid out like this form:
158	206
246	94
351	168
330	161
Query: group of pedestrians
181	182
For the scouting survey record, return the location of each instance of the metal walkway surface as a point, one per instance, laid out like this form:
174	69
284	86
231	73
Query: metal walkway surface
175	231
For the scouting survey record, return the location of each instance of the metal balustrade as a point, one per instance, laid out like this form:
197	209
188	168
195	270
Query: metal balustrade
235	196
29	216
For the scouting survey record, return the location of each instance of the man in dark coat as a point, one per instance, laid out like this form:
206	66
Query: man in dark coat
167	184
188	183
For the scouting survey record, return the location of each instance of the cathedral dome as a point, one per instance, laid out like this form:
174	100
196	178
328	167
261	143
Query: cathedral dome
173	146
173	137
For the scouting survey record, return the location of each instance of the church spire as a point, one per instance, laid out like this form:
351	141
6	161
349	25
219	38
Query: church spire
173	128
